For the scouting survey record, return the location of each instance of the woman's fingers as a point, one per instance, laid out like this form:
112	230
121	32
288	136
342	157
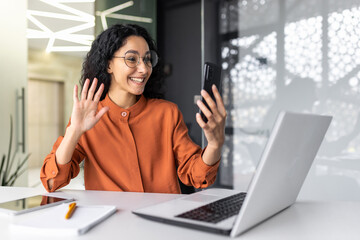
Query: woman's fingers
99	93
219	101
101	113
200	121
75	95
210	102
218	111
85	89
90	94
208	114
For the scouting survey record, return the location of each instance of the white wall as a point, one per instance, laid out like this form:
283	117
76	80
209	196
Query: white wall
13	65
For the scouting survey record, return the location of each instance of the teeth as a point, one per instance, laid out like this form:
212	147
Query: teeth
137	79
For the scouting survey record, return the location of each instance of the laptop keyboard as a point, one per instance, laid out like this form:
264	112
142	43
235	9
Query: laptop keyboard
216	211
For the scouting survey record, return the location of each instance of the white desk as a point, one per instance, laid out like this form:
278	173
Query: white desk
304	220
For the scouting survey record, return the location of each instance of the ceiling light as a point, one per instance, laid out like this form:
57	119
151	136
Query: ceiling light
77	18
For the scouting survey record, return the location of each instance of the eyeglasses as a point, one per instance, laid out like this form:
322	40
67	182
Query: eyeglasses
132	59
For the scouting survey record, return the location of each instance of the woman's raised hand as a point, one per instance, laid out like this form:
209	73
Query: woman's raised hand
84	115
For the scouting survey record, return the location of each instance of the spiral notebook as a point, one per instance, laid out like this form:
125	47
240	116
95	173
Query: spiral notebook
52	220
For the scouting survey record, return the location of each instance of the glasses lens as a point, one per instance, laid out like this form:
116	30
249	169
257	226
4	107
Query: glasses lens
147	60
131	59
154	58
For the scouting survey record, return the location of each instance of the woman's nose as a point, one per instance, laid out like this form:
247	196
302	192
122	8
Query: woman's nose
142	67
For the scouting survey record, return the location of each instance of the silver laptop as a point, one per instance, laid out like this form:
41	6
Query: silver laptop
284	164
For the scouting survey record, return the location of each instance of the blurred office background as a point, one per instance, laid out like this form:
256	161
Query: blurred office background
299	55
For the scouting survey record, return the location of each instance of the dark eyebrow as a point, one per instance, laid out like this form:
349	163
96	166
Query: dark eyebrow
134	51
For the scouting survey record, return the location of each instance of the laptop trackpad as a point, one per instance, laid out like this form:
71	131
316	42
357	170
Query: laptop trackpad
200	198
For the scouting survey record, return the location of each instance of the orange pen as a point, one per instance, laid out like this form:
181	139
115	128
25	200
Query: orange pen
72	207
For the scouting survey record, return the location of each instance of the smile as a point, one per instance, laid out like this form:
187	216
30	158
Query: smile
138	80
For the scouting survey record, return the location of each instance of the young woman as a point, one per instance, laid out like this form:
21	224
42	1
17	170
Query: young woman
129	139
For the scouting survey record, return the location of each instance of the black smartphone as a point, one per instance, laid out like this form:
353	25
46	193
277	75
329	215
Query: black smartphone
212	75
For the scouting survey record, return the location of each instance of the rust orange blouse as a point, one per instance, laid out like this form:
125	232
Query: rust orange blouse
141	149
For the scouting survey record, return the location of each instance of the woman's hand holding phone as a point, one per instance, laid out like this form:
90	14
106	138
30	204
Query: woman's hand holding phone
214	128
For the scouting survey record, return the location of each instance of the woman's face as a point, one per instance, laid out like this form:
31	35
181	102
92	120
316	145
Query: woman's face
125	79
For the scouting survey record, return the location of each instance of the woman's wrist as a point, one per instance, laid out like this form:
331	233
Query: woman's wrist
211	155
64	152
73	133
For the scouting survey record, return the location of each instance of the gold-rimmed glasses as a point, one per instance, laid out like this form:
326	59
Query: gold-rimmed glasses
132	58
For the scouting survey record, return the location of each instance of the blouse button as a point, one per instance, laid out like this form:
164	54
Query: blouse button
123	114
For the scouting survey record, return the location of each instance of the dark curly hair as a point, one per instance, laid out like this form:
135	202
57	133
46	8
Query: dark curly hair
102	50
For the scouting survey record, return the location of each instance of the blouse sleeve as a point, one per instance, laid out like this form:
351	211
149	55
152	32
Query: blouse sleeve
62	174
191	168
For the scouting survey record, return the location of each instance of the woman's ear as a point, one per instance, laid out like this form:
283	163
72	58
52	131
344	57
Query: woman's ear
109	67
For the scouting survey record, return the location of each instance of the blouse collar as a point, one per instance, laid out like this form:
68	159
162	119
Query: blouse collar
117	111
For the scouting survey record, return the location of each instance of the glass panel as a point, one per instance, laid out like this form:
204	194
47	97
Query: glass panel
293	55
